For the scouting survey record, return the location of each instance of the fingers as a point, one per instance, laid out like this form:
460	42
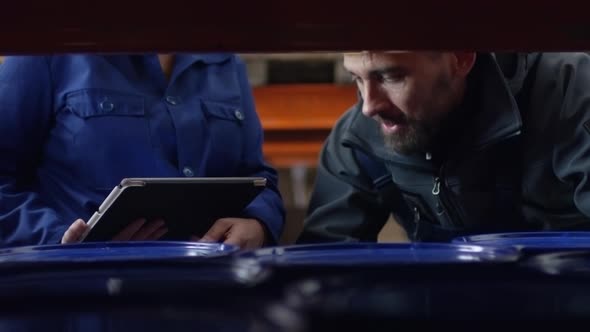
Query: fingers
218	231
150	231
74	232
243	233
139	230
246	234
136	231
130	230
235	239
158	234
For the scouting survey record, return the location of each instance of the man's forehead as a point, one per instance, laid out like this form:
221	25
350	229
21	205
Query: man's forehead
368	60
374	52
372	56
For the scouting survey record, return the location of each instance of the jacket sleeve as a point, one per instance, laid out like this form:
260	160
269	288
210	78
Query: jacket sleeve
267	207
571	141
343	206
25	118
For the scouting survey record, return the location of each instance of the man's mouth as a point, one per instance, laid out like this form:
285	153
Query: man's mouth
391	125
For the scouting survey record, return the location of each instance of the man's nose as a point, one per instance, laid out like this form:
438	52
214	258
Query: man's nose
372	100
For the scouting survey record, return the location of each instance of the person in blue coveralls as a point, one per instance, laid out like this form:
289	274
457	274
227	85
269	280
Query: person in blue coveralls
73	126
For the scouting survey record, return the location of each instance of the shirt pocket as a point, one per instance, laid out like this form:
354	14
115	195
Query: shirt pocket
95	110
95	114
107	128
225	125
95	103
223	111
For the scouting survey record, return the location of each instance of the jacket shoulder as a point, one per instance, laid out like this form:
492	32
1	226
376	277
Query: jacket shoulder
561	79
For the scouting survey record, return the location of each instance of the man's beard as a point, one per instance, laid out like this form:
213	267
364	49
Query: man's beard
418	135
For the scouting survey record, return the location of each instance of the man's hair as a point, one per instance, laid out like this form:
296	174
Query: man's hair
433	55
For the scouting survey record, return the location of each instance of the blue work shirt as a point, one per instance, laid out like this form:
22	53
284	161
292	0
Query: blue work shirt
73	126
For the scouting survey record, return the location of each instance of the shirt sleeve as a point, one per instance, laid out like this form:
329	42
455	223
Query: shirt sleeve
268	207
25	119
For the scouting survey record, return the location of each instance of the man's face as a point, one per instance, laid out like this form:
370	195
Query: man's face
408	93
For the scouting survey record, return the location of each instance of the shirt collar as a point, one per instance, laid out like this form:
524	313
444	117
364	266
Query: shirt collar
183	60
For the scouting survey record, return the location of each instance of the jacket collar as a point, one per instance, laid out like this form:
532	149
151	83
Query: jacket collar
495	117
498	116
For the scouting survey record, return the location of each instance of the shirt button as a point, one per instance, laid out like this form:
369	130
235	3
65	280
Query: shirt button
239	115
172	100
188	172
106	106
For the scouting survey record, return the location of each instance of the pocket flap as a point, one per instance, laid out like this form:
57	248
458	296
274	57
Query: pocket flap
89	103
223	111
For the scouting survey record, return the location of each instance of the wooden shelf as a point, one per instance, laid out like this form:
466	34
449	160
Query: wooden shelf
298	118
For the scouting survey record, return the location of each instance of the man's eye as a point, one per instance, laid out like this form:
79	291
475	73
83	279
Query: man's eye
357	81
393	78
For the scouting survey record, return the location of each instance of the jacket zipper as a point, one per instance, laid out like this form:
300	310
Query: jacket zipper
444	202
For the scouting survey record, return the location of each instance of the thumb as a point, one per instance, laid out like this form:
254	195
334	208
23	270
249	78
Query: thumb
217	231
74	232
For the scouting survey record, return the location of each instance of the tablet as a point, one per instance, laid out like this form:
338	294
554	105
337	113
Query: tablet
189	206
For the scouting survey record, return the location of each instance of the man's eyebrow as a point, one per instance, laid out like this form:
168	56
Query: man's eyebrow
351	73
387	70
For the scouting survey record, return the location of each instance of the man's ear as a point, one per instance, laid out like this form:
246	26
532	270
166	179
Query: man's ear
465	62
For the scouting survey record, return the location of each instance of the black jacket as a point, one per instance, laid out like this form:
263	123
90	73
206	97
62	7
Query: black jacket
515	156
